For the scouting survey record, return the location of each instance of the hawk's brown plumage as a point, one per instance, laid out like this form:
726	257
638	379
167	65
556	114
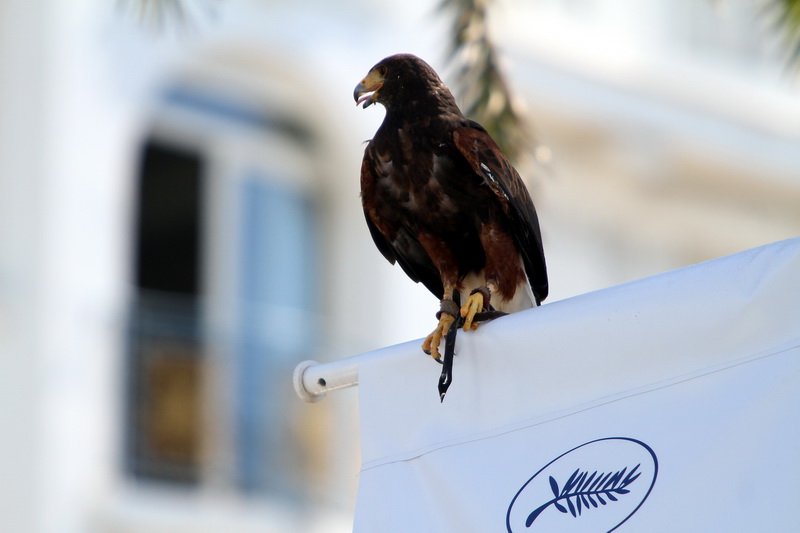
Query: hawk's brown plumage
442	200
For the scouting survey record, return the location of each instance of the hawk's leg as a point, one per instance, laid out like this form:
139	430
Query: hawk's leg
447	315
478	301
445	262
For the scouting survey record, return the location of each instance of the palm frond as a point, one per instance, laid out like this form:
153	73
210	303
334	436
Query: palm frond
160	15
481	85
788	22
583	491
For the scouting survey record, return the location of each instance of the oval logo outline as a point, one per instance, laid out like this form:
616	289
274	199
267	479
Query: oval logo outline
576	480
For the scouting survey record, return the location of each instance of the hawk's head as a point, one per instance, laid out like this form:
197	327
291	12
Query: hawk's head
401	79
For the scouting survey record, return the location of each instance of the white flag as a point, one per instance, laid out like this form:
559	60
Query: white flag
670	404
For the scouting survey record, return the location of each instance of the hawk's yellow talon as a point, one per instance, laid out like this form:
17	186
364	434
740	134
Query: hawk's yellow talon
471	307
432	341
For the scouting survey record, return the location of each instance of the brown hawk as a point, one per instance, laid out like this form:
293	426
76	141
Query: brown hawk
442	200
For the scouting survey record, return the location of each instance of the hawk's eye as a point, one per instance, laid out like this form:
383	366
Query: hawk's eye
382	70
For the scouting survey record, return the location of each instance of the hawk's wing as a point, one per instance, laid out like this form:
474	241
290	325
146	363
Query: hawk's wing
403	248
488	161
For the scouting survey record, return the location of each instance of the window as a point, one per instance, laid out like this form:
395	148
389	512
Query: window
277	326
232	330
164	367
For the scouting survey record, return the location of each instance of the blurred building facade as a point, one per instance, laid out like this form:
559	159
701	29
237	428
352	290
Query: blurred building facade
673	128
180	226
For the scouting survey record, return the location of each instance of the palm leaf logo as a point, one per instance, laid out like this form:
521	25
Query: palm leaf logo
587	491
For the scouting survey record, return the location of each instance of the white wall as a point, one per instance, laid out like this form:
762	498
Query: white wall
61	144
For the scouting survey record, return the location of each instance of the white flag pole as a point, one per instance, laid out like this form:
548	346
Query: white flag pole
313	380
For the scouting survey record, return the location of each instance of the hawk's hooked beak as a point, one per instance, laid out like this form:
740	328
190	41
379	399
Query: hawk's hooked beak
367	90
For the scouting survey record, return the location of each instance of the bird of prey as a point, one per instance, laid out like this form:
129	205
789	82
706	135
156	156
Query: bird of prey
443	201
